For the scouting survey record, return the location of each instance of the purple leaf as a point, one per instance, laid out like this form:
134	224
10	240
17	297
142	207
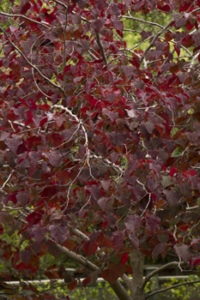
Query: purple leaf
25	256
118	239
59	231
34	158
133	222
98	24
22	198
13	143
54	157
111	219
118	24
145	34
157	250
196	37
38	233
105	184
152	223
118	139
173	197
183	251
103	202
149	126
132	112
95	191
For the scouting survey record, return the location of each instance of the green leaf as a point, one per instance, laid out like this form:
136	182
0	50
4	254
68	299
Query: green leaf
166	181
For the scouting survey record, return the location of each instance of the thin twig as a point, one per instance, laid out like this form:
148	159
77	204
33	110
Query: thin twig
5	182
42	23
146	205
142	21
61	3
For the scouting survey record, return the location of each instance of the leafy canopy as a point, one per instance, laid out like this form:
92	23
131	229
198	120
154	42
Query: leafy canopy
99	144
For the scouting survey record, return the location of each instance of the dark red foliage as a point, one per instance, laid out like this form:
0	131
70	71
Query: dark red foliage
97	140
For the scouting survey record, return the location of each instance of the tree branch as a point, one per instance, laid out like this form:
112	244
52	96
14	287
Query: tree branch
101	47
116	286
154	39
83	236
142	21
64	50
60	3
171	287
148	277
24	17
30	64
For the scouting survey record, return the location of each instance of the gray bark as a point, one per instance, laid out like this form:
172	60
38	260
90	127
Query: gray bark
137	264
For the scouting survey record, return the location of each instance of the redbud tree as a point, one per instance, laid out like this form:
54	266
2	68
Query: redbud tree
100	140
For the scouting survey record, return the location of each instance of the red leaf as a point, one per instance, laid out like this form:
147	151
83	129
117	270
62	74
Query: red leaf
118	269
109	275
26	7
86	281
195	261
1	229
34	218
124	258
72	285
90	248
64	176
173	171
165	8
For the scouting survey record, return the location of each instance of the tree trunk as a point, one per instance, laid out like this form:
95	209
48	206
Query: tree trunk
137	264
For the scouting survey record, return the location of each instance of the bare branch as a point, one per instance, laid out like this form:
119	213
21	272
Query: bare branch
171	287
146	205
148	277
61	3
4	184
101	47
142	21
42	23
192	208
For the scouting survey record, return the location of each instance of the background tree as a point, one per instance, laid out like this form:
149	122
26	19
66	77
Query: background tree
99	145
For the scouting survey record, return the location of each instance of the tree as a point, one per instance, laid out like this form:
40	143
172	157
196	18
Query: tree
99	145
